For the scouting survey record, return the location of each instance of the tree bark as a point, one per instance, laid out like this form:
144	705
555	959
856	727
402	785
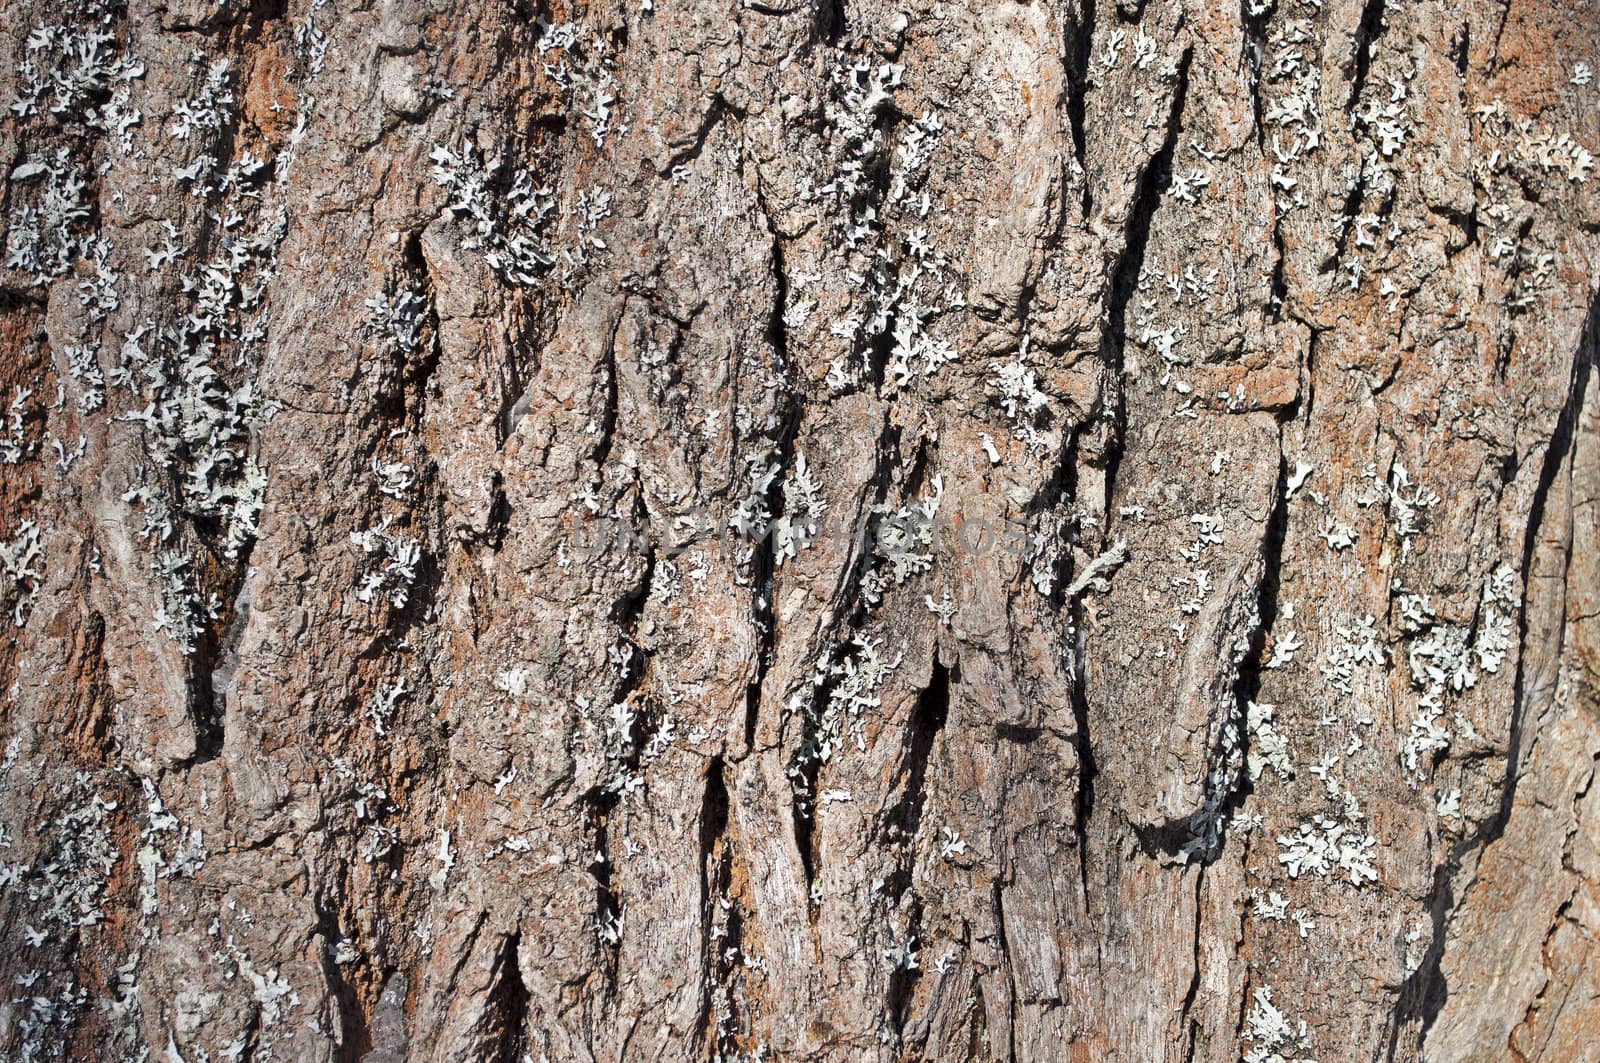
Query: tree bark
703	529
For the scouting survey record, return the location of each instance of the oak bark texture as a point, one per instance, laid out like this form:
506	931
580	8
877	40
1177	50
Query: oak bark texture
1307	295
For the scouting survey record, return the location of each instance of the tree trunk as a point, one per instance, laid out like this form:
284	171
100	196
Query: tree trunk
703	529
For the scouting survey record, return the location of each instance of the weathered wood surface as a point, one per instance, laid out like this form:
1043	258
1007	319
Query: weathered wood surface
800	530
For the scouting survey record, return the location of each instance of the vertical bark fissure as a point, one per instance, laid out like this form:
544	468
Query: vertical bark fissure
1254	51
830	22
998	895
765	580
1083	801
353	1038
1129	264
600	805
509	1001
1188	1021
903	824
1557	457
1368	30
716	864
1425	992
1078	47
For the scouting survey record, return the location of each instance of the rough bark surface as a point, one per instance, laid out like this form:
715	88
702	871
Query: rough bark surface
804	530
